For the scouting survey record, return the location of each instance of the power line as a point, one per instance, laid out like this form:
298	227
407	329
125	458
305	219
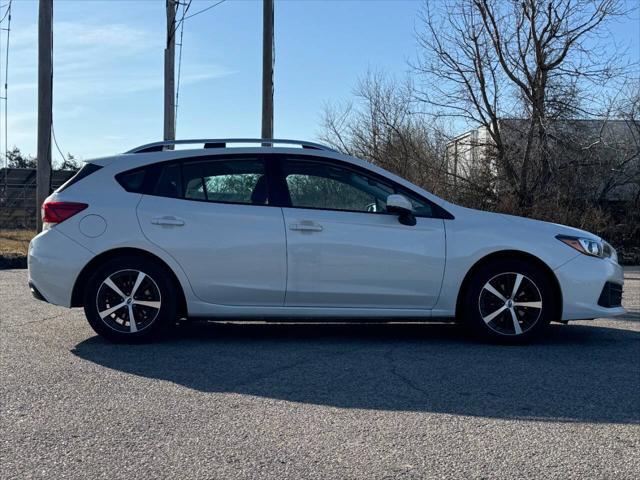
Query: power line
180	24
8	5
185	8
186	5
172	29
53	134
205	9
7	15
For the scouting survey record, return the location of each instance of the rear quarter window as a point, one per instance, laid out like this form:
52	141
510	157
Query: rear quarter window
159	179
132	181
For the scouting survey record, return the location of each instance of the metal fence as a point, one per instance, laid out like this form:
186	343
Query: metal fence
18	207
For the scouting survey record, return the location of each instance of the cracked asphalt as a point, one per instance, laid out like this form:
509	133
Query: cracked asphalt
250	401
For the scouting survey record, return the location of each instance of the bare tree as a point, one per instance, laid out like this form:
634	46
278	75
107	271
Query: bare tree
380	126
538	60
528	76
627	168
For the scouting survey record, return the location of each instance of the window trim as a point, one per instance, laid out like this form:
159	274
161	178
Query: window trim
150	180
278	191
437	211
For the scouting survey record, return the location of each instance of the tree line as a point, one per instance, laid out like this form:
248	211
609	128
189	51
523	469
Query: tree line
554	102
17	159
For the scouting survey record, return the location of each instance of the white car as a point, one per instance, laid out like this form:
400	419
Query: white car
275	229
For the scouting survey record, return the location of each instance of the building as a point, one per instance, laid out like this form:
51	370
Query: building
613	145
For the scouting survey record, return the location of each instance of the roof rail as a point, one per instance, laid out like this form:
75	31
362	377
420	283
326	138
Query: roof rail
222	143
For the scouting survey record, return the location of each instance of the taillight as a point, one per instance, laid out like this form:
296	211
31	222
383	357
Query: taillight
56	212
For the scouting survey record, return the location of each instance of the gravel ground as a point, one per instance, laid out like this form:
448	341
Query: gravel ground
315	401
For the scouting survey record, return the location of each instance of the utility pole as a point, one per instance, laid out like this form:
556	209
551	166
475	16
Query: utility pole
267	69
169	73
45	103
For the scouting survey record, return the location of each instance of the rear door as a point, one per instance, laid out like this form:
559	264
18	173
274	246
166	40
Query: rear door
344	250
215	217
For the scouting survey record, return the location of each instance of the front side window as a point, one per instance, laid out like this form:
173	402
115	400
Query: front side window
331	187
421	208
233	181
325	186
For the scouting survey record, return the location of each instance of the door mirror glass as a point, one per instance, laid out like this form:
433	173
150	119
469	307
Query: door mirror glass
401	205
397	203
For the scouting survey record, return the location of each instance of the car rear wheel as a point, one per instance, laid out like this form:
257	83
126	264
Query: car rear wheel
130	299
509	301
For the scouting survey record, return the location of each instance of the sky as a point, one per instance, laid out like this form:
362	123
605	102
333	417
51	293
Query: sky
108	67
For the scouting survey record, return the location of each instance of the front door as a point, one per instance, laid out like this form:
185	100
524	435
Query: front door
344	250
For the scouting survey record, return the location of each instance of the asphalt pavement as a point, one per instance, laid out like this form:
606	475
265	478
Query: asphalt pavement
282	401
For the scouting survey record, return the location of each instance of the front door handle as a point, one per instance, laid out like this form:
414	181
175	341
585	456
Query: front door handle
306	226
169	221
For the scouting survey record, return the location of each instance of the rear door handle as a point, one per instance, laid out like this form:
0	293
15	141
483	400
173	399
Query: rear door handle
171	221
306	226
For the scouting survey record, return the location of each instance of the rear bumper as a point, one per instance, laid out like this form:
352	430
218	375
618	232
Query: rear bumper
54	264
582	281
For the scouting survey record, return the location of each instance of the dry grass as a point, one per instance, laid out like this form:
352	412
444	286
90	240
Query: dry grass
15	242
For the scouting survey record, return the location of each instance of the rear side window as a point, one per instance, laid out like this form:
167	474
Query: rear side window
84	172
169	182
237	181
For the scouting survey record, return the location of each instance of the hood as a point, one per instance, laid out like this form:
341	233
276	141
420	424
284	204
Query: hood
524	224
556	228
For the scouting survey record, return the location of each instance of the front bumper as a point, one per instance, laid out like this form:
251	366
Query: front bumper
582	281
55	261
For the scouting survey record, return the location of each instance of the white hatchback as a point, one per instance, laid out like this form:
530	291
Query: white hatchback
267	230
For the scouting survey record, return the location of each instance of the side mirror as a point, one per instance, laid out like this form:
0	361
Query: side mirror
400	205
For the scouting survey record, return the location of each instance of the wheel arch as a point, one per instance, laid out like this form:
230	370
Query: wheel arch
81	281
510	255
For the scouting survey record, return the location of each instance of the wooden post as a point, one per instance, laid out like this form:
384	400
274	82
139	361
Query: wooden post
45	105
267	69
169	73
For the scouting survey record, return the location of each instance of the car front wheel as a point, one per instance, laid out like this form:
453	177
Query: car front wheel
130	299
509	301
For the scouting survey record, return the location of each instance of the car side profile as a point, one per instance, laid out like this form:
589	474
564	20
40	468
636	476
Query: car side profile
282	229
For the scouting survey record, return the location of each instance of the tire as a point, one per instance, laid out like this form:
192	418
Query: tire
108	299
491	310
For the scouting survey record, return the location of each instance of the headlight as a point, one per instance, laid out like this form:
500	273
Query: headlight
593	248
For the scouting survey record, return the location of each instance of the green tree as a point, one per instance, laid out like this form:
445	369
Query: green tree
70	163
16	159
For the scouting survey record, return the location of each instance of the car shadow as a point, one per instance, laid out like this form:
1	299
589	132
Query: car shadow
577	373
